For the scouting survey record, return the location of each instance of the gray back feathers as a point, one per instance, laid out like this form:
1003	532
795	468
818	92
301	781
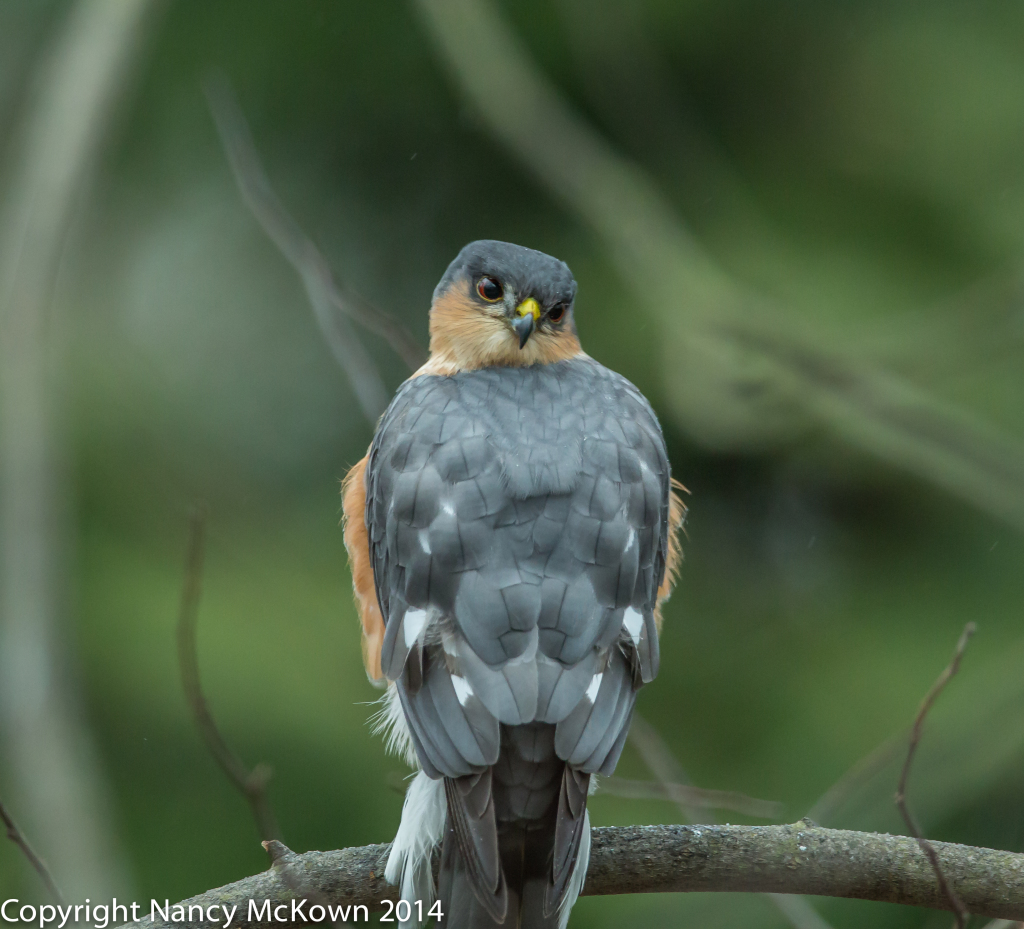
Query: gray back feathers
518	528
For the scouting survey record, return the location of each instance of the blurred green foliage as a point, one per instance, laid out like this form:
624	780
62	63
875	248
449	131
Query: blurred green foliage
859	161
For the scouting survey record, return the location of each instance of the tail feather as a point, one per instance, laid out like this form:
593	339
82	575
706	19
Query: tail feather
472	832
535	907
543	863
460	900
570	824
579	875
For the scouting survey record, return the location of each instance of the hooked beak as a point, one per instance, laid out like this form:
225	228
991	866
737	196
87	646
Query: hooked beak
527	314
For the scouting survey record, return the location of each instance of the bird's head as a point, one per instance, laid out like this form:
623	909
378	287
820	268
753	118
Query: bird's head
502	304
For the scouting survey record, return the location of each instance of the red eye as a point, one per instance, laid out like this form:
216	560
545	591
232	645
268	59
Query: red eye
556	313
489	289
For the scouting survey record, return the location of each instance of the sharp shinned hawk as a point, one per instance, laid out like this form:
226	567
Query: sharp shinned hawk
512	533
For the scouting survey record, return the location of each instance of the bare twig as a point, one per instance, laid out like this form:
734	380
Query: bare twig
252	784
794	859
858	774
661	761
666	768
331	307
955	902
619	64
690	796
16	836
663	764
289	865
797	911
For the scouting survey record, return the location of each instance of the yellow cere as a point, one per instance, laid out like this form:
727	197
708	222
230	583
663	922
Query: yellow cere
529	307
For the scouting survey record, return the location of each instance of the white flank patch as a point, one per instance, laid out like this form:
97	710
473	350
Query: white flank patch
462	689
412	625
595	686
633	620
389	721
422	826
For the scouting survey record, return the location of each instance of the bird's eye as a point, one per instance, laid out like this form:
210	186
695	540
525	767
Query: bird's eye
556	313
490	289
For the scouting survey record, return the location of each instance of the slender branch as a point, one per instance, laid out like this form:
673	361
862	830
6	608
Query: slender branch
858	774
660	760
794	859
797	911
666	767
690	796
955	903
16	836
294	875
252	784
321	288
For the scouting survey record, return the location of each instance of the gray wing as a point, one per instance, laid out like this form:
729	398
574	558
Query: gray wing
518	523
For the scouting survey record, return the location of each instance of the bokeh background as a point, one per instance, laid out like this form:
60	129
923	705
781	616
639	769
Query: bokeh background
816	280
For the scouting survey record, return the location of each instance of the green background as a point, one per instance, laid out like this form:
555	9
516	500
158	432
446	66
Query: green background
860	163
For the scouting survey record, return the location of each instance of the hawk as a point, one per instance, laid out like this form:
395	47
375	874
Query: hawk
512	534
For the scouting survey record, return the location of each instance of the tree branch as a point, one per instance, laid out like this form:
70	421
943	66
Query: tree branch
251	784
802	858
17	837
331	307
857	775
665	766
689	796
955	903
